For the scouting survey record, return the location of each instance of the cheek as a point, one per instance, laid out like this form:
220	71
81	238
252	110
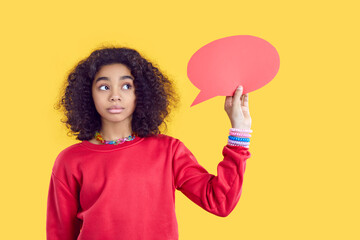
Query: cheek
95	99
93	95
98	101
134	102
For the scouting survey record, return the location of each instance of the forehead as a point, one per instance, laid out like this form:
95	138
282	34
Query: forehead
114	72
115	68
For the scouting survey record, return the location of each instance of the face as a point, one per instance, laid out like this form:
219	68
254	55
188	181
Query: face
113	92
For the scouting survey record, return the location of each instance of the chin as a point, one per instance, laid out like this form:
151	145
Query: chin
117	118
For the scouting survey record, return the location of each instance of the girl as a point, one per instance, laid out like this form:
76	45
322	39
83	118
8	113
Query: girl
119	182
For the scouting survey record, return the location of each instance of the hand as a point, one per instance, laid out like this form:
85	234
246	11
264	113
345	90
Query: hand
237	108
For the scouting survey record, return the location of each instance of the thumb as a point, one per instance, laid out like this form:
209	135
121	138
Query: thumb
237	95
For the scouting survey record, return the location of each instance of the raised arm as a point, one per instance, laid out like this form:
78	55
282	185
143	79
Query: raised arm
217	194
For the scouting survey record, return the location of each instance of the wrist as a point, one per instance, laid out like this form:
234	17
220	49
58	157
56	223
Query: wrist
240	126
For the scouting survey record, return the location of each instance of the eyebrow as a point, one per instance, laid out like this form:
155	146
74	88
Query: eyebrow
121	78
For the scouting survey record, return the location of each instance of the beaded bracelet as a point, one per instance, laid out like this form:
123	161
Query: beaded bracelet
239	139
237	145
240	130
238	142
239	134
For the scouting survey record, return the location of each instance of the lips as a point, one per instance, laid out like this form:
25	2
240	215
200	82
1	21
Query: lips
115	107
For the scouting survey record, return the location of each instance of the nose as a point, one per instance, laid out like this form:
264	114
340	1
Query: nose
115	96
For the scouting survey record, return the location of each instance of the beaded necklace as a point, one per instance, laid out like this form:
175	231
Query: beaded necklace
114	142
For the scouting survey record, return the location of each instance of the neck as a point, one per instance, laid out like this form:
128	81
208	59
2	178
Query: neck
112	131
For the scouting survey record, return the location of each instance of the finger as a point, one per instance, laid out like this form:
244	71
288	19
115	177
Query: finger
237	96
228	101
245	100
245	106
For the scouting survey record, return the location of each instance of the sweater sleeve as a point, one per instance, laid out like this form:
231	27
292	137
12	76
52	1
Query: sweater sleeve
62	206
216	194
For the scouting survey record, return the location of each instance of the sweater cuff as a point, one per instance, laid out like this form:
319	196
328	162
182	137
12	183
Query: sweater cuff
238	149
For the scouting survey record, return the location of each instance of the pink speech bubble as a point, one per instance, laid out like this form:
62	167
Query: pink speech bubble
220	66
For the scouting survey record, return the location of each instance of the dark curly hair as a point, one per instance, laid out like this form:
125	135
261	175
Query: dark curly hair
155	95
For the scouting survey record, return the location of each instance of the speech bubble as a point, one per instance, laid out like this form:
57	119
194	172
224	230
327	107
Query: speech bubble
221	65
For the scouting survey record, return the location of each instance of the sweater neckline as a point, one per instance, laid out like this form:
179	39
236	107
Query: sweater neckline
106	147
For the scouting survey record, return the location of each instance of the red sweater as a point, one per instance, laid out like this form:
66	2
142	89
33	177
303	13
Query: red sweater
127	191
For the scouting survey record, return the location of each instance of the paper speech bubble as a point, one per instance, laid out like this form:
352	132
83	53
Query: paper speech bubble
220	66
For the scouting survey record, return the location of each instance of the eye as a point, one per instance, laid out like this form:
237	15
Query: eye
101	87
127	86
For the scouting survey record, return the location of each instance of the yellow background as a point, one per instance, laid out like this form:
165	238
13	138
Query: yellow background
302	181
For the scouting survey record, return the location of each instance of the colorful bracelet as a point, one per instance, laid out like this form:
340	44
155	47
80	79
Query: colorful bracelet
239	139
238	142
237	145
240	130
239	134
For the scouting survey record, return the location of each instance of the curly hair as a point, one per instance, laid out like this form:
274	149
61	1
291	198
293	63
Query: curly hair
155	95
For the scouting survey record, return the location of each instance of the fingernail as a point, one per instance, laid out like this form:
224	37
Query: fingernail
240	87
